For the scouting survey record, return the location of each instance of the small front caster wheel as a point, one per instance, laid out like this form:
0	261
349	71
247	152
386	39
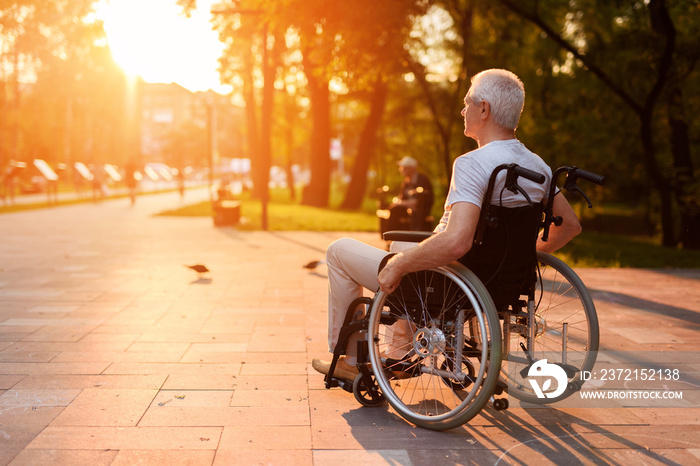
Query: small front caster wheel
500	404
367	396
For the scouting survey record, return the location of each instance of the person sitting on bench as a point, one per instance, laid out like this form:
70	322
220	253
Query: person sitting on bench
410	210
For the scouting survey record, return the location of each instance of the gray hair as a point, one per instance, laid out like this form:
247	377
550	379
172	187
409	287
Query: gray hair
504	92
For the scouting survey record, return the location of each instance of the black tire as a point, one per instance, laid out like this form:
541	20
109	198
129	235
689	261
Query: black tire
500	404
364	395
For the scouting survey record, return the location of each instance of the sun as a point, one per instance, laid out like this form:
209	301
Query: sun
154	40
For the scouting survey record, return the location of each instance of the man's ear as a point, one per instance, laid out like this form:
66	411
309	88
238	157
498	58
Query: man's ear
485	110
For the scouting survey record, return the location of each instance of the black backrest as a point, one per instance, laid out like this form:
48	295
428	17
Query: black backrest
506	260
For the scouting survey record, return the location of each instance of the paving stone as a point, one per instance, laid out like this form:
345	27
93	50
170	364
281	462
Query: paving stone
204	398
263	457
270	398
28	415
216	416
273	369
8	381
126	357
106	407
15	437
53	368
173	368
170	457
27	356
65	457
124	438
31	398
266	438
145	382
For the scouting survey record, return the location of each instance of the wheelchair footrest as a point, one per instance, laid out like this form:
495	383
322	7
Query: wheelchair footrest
344	384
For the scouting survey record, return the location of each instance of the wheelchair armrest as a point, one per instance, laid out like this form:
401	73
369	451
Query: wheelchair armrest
406	235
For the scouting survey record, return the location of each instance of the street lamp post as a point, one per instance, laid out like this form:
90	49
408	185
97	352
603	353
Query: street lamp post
268	87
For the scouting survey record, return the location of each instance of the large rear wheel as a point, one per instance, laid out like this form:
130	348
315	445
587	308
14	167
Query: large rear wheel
436	341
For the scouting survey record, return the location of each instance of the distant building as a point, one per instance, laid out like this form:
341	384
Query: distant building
176	125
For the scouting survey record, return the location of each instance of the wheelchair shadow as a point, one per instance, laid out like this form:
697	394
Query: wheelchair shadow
383	433
563	438
497	437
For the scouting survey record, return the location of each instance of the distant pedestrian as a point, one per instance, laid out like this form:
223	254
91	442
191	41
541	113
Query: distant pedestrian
98	181
130	177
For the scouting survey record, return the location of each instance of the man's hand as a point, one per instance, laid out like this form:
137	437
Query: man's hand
389	278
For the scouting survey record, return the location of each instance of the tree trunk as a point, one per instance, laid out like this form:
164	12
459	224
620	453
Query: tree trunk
668	237
686	185
269	68
252	124
317	192
289	143
366	147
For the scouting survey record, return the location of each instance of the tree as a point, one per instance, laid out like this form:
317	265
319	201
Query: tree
602	50
446	93
54	67
373	55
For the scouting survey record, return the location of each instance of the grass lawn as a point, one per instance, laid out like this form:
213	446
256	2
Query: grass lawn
288	216
595	247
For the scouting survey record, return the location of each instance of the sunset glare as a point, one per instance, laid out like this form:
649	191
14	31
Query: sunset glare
155	40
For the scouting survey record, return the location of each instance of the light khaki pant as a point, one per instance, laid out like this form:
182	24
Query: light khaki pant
352	267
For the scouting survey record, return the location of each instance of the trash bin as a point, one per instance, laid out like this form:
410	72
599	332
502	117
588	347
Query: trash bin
227	213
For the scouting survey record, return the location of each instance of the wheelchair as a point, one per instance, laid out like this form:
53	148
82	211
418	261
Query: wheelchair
450	340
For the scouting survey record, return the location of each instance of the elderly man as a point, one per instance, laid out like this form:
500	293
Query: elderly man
415	199
491	112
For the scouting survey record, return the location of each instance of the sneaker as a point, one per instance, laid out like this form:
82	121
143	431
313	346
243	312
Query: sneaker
343	370
394	367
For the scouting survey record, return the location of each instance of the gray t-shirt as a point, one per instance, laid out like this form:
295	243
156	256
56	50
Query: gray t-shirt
471	173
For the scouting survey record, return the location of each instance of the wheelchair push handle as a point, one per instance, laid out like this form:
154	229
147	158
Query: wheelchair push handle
573	173
529	174
589	176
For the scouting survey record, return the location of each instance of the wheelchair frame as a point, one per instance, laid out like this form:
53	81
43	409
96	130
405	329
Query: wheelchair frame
443	358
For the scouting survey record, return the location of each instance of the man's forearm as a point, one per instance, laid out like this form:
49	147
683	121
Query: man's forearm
436	251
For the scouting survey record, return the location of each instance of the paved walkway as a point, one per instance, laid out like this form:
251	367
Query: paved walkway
112	352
